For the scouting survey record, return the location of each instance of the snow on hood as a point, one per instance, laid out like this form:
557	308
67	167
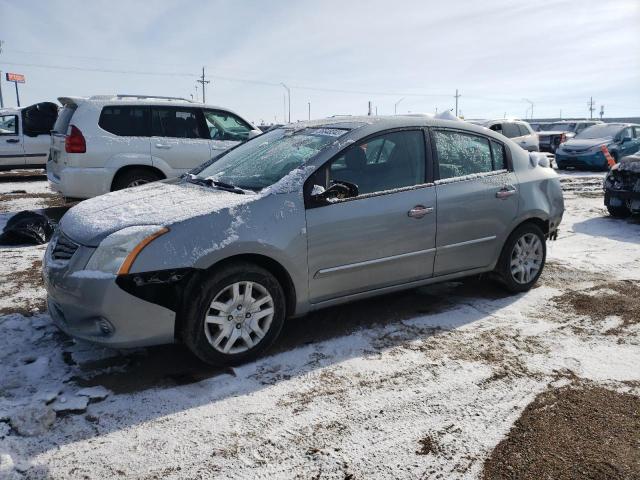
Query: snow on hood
158	203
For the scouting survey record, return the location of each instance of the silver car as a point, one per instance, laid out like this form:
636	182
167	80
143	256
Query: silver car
300	218
517	130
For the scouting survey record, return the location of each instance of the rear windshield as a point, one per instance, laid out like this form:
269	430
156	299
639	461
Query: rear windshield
561	127
600	131
64	118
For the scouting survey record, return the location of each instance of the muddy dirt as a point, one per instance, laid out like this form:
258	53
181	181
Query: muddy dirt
26	279
619	298
48	199
581	431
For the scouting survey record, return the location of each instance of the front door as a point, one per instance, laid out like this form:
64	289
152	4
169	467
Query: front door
11	147
386	234
477	200
179	139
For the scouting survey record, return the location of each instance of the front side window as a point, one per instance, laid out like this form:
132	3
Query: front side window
523	129
389	161
8	124
462	154
264	160
226	126
601	130
175	123
124	121
626	133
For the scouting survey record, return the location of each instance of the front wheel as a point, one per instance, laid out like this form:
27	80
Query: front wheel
522	259
235	315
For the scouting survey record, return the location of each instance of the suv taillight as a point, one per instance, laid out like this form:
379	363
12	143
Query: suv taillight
74	142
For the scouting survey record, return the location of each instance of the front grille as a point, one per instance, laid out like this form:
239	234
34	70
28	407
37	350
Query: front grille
64	248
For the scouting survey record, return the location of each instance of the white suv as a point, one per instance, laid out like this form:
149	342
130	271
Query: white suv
105	143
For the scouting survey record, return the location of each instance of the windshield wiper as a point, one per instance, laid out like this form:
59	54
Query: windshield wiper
210	182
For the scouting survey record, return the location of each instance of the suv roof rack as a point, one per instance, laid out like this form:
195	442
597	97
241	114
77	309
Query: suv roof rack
159	97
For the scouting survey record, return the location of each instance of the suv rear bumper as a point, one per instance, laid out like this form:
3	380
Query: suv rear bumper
76	182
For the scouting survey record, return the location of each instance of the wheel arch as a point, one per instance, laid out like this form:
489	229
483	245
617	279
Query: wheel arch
127	168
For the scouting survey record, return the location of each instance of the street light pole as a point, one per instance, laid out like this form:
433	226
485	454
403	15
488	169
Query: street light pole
309	110
531	103
395	106
289	98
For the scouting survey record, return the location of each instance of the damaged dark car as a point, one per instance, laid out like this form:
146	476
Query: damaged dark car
622	187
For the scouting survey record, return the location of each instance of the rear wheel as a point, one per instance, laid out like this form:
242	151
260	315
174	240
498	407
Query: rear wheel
619	212
522	259
234	315
135	177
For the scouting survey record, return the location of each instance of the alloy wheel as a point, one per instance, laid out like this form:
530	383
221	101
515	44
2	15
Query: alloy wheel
239	317
526	258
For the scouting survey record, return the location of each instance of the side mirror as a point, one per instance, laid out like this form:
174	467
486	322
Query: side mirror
626	139
254	133
338	190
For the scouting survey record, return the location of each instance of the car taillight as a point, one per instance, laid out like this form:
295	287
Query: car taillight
74	142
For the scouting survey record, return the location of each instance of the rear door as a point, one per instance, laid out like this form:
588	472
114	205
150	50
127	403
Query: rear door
384	236
11	146
477	200
179	138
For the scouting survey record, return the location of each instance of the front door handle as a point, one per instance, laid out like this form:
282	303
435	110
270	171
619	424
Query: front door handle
12	140
506	192
163	145
419	211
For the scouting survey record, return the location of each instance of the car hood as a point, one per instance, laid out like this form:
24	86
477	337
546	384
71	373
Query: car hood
630	164
158	203
584	143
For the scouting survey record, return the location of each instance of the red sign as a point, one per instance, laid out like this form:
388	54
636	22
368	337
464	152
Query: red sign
15	77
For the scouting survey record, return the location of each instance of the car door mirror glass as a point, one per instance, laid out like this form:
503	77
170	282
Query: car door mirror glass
338	190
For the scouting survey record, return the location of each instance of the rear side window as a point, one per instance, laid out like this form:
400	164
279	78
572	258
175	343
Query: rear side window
8	124
511	130
176	123
125	121
523	129
462	154
499	157
64	118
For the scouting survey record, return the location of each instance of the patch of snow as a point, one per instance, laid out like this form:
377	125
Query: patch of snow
33	420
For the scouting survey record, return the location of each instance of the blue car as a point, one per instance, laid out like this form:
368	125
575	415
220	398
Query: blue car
585	149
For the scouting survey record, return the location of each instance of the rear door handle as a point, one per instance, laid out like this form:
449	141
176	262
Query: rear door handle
12	140
419	211
506	192
163	145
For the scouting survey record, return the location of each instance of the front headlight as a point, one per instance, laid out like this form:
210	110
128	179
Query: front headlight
118	251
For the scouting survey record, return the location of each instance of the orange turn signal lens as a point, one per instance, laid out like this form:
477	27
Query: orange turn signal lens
126	265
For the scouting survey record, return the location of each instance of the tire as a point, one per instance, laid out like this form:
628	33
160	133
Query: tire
525	275
560	166
134	177
229	327
619	212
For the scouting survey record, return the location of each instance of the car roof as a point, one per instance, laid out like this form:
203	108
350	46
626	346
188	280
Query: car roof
137	100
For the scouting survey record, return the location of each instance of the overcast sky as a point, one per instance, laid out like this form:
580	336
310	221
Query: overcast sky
338	55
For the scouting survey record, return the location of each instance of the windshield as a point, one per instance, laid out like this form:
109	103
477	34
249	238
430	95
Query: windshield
263	161
599	131
560	127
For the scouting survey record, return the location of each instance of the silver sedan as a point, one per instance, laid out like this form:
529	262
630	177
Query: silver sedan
297	219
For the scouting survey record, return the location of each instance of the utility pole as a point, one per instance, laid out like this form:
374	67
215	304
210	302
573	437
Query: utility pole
395	106
284	108
309	103
289	97
457	96
601	111
1	100
560	114
203	82
531	103
591	108
370	109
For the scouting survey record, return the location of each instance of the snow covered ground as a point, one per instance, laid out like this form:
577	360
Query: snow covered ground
350	392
